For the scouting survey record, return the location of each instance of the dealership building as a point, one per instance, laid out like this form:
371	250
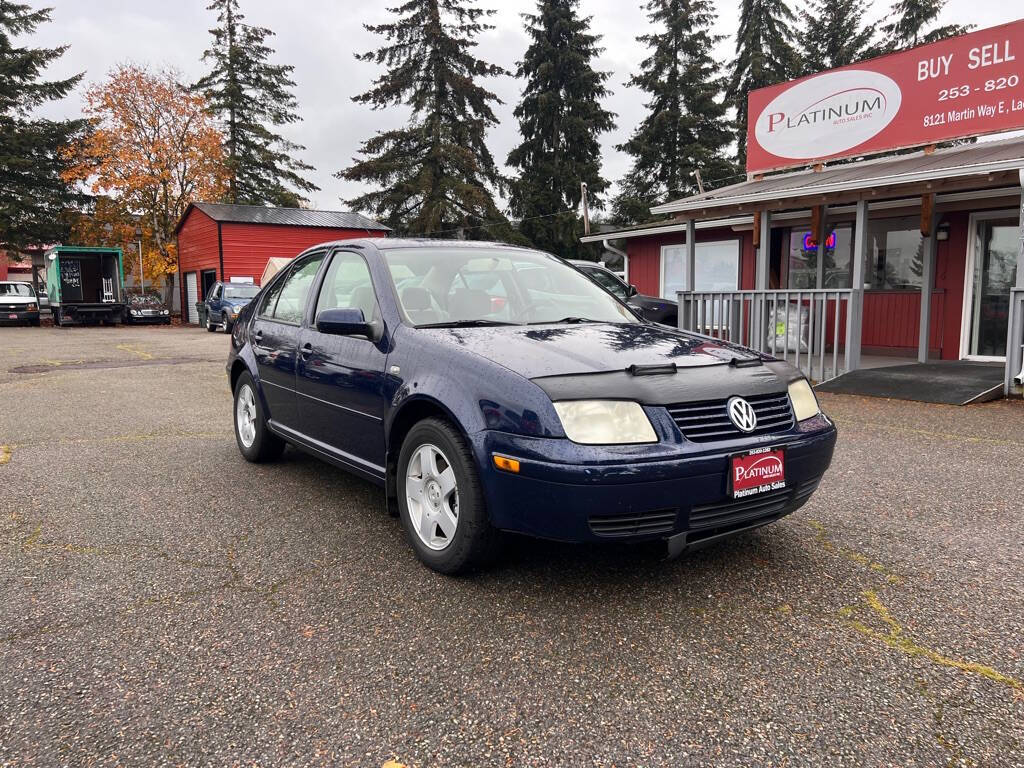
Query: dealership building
892	274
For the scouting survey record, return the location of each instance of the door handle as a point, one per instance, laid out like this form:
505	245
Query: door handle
306	350
258	336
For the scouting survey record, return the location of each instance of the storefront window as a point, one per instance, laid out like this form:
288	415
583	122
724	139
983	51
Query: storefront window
717	267
895	251
803	258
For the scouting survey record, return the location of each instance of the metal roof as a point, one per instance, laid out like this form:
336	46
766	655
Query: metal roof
954	162
292	217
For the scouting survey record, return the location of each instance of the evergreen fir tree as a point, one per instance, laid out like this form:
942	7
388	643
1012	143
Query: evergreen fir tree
764	57
251	96
912	22
834	34
560	119
435	175
686	128
33	156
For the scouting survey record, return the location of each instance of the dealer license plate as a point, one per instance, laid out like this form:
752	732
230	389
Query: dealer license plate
12	316
757	471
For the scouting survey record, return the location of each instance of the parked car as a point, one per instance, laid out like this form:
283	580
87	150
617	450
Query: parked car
484	404
18	303
225	301
146	307
664	311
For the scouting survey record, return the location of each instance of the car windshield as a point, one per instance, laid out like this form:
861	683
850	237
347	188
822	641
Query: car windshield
15	289
489	286
145	298
240	291
606	280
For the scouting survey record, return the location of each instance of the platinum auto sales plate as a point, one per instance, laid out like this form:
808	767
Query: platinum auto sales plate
757	471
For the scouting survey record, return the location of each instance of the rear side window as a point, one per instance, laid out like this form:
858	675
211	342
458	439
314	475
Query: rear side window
295	288
269	300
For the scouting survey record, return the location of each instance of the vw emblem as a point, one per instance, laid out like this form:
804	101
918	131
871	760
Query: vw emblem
741	413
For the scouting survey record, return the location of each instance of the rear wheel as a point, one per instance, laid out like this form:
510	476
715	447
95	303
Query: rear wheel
441	503
255	441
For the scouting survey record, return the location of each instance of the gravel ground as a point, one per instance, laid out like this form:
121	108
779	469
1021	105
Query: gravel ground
164	603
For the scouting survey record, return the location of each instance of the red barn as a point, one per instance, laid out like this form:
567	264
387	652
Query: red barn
221	242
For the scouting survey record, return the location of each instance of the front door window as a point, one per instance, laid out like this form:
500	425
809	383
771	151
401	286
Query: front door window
995	271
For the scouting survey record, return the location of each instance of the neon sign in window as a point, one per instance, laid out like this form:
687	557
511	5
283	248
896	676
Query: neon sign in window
811	242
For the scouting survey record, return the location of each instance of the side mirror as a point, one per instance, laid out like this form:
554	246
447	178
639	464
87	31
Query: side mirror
343	322
633	291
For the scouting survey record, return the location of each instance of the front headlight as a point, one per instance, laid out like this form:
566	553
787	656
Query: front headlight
605	422
165	312
805	404
136	312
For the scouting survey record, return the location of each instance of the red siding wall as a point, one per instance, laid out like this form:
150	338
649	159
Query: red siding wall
197	250
891	318
645	256
247	247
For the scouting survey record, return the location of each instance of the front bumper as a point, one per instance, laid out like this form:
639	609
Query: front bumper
19	316
679	495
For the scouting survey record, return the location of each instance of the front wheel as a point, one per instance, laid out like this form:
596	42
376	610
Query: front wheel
255	441
209	325
440	500
224	321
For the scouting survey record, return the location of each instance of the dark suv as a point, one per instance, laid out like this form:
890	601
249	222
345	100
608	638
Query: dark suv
664	311
224	303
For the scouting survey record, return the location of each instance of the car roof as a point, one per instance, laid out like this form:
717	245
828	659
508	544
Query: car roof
394	243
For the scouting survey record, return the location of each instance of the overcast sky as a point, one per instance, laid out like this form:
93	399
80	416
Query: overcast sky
318	37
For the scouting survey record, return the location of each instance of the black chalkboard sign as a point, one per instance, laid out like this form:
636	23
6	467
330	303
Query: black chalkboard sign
71	280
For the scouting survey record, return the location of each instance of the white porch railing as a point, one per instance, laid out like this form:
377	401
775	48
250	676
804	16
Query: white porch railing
807	328
1015	340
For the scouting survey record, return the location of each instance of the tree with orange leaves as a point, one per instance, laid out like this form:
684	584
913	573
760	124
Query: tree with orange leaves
152	150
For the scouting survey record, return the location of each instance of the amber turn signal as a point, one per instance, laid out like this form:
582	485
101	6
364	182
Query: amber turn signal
507	464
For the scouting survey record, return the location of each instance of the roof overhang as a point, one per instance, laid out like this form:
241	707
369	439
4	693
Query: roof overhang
945	201
971	167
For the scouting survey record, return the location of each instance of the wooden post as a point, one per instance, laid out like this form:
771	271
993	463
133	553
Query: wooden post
855	310
928	246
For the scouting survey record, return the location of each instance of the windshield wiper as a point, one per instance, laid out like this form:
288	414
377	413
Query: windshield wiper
466	324
571	320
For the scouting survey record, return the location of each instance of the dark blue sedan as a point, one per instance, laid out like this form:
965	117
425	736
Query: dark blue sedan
489	388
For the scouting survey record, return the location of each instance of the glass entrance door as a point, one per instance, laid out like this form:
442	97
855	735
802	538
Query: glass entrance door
995	273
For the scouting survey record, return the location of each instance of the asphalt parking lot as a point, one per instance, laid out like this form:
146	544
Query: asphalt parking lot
165	603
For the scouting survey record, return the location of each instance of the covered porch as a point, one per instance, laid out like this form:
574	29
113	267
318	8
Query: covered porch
899	262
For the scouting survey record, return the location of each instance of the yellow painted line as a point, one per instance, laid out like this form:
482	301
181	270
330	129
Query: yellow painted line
895	638
859	558
5	453
135	350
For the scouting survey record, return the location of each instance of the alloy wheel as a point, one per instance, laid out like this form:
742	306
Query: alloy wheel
245	415
432	497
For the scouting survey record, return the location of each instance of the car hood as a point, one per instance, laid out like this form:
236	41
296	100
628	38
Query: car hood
564	350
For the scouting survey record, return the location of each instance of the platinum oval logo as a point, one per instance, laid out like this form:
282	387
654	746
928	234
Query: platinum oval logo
828	114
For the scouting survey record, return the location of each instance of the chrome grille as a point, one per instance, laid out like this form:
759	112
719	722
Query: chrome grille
709	420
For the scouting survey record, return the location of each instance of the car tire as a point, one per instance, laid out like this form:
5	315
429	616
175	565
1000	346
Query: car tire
474	542
255	440
56	317
210	327
225	323
35	323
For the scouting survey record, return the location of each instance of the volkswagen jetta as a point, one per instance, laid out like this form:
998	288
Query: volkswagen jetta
491	388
